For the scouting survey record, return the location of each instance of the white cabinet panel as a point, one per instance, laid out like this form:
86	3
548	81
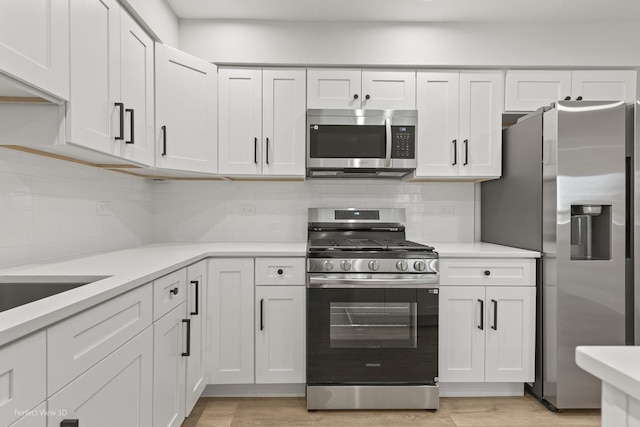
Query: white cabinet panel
169	369
231	305
488	272
240	117
333	88
280	271
23	367
186	111
197	309
438	96
280	334
604	85
394	90
115	392
169	292
79	342
34	43
529	90
461	334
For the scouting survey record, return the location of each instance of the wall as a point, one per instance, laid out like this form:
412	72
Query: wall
48	209
413	44
206	211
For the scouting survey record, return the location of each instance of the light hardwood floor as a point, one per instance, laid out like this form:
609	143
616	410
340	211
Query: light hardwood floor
523	411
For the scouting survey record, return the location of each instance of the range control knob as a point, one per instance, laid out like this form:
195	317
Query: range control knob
374	265
328	265
345	265
402	265
419	265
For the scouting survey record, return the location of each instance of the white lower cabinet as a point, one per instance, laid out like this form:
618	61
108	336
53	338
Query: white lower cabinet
257	321
280	334
117	391
487	333
196	362
168	368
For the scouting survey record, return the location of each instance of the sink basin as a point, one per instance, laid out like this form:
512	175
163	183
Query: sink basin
19	290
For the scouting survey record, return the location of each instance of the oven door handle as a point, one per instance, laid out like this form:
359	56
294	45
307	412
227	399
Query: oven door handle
324	282
389	143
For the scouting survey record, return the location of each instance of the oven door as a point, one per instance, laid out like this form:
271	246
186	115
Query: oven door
372	335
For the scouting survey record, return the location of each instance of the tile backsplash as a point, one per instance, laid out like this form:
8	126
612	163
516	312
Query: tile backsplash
277	211
48	209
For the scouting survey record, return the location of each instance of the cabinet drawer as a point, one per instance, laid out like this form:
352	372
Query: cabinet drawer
22	371
280	271
79	342
488	272
169	292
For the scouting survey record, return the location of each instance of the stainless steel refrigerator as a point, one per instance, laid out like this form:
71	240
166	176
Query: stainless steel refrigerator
566	192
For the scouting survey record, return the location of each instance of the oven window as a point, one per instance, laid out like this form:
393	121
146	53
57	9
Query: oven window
373	325
348	142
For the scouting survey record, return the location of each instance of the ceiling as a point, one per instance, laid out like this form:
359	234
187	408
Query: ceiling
554	11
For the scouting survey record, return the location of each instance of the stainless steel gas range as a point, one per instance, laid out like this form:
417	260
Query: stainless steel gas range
372	313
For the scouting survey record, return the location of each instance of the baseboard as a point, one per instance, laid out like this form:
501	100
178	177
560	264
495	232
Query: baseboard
480	389
254	390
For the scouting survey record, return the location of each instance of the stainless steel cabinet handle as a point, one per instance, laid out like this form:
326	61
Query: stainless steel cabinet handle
188	352
197	283
495	315
131	140
120	105
481	325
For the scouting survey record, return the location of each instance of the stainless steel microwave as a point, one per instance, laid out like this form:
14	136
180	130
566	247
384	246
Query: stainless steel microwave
361	143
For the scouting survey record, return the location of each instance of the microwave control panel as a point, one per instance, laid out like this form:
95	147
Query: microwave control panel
403	142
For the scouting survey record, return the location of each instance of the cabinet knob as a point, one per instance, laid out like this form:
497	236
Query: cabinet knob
487	273
174	291
567	98
367	97
579	98
355	96
280	271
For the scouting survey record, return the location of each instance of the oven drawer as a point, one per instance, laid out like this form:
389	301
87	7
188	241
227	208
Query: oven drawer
487	272
280	271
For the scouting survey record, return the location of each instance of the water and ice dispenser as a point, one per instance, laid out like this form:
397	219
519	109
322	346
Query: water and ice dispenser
590	232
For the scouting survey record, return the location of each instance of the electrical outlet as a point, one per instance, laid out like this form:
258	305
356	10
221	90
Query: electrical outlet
103	208
247	210
445	211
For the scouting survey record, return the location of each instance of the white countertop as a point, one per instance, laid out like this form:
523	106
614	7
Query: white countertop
616	365
481	250
130	268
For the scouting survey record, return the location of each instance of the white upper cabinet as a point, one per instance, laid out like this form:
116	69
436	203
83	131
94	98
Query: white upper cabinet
186	112
345	88
459	124
111	100
34	43
262	121
529	90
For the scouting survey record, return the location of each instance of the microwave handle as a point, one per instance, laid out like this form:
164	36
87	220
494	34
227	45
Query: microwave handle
387	123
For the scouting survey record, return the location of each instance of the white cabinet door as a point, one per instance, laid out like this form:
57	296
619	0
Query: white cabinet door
280	334
334	88
186	112
137	91
510	334
528	90
196	378
395	90
169	368
240	121
23	369
115	392
284	121
438	95
230	321
604	85
34	43
93	118
481	101
461	337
